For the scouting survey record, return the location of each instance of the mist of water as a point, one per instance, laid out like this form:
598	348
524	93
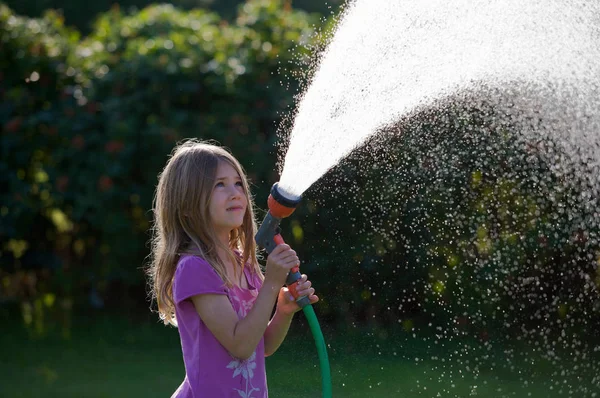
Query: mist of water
537	60
470	138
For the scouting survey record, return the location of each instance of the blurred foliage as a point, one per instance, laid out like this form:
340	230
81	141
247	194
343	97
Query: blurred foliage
87	125
443	226
38	116
455	225
81	14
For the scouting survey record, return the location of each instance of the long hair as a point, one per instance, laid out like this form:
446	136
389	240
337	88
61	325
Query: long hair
182	223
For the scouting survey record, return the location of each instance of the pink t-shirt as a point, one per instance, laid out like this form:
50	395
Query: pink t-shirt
210	370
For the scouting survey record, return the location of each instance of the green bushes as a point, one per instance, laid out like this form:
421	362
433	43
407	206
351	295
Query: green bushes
462	230
80	14
87	125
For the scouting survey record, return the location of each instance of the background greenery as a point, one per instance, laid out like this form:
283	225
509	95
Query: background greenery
80	15
443	235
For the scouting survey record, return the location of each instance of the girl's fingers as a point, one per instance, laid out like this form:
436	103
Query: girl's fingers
287	294
306	292
291	263
285	259
280	249
286	264
285	250
303	283
289	257
278	257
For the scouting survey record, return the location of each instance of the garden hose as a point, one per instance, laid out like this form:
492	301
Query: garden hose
268	236
313	323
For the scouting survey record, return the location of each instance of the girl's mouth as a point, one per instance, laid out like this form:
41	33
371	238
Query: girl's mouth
235	208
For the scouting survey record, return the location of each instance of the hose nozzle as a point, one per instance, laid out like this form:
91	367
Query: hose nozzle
268	235
280	206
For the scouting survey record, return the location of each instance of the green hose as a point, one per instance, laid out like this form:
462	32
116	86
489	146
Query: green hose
313	323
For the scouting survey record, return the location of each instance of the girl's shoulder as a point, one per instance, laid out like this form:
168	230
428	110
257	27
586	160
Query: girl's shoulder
194	275
189	262
186	258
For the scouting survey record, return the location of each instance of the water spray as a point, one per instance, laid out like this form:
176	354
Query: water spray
281	205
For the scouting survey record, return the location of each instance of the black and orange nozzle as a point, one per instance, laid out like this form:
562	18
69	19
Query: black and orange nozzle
281	205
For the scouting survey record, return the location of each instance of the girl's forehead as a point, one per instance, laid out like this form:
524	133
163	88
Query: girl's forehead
225	169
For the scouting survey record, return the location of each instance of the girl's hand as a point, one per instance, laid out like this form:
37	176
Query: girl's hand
286	304
279	263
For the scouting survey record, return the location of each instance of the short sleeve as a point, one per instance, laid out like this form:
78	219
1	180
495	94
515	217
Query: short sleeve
194	276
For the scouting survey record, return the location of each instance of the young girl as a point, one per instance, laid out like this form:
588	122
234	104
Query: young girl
206	278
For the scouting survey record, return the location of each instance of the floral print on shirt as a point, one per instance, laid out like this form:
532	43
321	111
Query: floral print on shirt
244	367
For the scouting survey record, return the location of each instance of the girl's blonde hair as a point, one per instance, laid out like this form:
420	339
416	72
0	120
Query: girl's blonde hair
182	220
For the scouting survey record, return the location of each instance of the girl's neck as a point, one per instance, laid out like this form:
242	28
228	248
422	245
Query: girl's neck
232	268
223	237
222	253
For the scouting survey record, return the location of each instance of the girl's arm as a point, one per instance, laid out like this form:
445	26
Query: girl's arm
241	336
286	308
276	331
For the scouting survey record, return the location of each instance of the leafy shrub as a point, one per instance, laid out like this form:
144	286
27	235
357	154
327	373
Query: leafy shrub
81	15
92	126
38	105
86	125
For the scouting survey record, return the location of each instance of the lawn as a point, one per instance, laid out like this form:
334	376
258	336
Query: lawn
112	357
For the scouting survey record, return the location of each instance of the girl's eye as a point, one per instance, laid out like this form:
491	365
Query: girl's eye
239	184
219	184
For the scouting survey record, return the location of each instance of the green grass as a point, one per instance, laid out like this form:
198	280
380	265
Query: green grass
111	357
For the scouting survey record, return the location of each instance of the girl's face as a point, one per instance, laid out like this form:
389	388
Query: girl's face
228	201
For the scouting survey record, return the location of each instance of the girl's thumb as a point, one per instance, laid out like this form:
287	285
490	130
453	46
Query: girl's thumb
287	294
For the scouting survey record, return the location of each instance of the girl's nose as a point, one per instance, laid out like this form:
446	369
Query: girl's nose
234	192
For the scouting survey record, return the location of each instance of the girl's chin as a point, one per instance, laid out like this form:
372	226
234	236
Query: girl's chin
234	224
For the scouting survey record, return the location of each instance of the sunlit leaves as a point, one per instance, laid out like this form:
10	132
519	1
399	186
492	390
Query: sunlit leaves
87	125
